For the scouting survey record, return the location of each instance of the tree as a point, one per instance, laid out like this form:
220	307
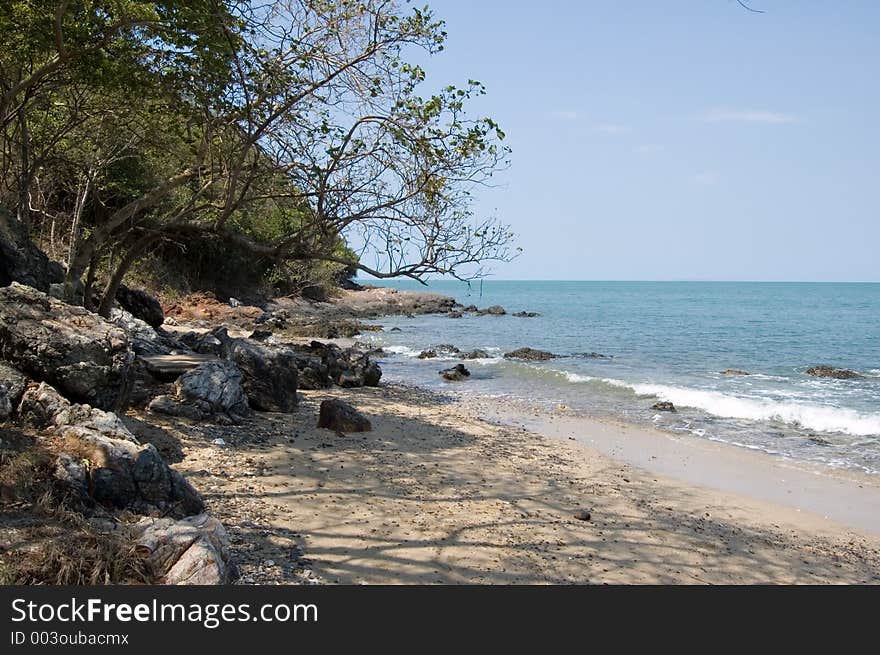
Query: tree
212	117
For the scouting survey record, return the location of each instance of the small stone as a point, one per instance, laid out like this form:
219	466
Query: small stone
582	515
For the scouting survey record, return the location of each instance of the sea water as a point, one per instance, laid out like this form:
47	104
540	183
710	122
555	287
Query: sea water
671	341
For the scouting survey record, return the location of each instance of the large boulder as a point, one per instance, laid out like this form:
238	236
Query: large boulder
21	261
12	386
78	352
192	551
832	372
340	416
141	305
211	391
269	373
101	459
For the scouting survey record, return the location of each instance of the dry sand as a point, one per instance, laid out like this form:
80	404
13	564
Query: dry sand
436	494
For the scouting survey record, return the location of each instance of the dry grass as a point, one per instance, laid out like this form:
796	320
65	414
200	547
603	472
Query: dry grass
51	540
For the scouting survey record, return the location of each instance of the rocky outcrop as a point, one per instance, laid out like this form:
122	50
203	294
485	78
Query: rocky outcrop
204	343
270	373
12	386
663	406
321	365
457	373
526	314
102	461
494	310
530	354
211	391
340	416
191	551
141	305
592	355
78	352
733	371
832	372
145	340
476	354
21	261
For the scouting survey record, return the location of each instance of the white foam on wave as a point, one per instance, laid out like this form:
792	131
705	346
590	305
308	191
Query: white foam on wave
402	350
814	417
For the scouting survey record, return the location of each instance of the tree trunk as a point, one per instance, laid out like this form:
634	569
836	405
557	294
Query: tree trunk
125	265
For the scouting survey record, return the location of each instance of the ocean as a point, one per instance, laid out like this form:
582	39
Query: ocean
671	341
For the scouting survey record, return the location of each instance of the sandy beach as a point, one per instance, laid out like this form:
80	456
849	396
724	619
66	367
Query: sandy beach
437	494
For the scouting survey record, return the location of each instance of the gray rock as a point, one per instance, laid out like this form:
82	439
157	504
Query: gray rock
526	314
109	465
457	373
12	386
270	373
530	354
455	314
494	310
213	390
442	349
191	551
476	354
322	365
664	406
733	371
145	340
85	357
340	416
832	372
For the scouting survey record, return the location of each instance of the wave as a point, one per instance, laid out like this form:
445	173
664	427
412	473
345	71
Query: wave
402	350
814	417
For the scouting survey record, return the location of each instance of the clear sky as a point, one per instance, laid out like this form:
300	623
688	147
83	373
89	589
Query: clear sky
658	140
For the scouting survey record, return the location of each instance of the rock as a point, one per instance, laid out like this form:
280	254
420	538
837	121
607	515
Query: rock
315	293
85	357
340	416
582	515
395	329
530	354
321	365
263	336
145	340
593	355
473	309
270	373
476	354
457	373
454	315
141	305
494	310
212	390
21	260
664	406
204	343
438	351
734	371
108	465
831	372
191	551
12	386
277	319
235	302
526	314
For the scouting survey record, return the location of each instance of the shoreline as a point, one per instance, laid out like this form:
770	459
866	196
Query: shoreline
438	494
831	497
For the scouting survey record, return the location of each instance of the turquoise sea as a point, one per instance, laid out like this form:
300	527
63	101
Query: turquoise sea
670	341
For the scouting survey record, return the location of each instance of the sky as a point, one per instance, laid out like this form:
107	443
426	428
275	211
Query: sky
678	140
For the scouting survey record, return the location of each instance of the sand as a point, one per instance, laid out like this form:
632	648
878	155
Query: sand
436	494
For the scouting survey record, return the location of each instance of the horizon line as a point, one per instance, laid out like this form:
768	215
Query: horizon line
674	280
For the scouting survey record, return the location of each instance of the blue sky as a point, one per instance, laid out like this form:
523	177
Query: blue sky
657	140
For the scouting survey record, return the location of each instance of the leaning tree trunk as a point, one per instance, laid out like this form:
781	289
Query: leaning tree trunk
134	253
